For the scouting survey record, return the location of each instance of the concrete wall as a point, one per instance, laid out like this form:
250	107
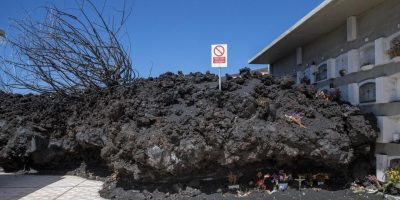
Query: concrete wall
381	21
285	66
375	29
388	69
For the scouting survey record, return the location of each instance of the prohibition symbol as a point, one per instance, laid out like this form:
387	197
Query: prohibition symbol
219	50
219	55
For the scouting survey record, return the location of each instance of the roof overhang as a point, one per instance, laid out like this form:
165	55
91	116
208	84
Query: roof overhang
329	15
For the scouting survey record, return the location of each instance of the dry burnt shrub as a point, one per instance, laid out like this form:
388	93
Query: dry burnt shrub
69	52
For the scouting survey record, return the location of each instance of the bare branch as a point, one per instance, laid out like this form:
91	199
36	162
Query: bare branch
69	52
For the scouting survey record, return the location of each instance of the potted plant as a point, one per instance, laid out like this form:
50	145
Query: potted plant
392	179
283	180
394	51
320	178
260	180
343	72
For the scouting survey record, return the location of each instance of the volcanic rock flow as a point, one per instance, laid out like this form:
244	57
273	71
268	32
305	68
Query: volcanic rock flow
178	128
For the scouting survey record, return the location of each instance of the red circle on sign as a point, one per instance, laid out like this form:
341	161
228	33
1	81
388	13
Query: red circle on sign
219	50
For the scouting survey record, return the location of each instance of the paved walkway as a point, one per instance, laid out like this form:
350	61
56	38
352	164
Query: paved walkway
39	187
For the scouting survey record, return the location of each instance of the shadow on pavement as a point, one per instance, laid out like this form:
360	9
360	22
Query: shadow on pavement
16	186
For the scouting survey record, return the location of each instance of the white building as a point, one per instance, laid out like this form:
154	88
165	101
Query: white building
350	45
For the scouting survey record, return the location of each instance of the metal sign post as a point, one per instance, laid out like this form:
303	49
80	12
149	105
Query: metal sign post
219	78
219	59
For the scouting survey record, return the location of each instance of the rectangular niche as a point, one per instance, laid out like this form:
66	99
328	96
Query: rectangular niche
321	72
367	56
398	89
367	92
308	74
342	65
394	162
383	162
393	51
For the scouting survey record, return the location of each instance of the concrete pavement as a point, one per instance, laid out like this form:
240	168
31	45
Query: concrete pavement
43	187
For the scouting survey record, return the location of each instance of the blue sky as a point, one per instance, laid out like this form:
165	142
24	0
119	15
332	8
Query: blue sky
172	35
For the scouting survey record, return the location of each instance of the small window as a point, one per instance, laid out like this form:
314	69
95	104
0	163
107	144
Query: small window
367	93
367	55
322	72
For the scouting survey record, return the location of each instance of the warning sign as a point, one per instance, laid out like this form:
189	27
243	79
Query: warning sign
219	55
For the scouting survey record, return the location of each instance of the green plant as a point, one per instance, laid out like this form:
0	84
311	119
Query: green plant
392	178
394	51
393	174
